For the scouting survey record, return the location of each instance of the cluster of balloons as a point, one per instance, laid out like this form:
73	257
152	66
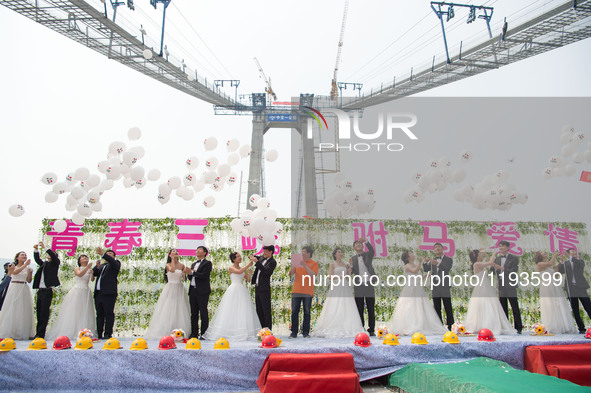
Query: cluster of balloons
491	192
571	142
344	201
259	223
216	174
83	189
438	175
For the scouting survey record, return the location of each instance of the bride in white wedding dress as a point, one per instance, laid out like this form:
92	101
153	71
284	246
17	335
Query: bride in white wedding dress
172	309
235	319
339	316
414	311
484	308
77	309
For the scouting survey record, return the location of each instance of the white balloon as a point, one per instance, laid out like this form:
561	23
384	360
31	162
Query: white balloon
93	197
189	179
116	147
416	175
78	192
578	138
49	178
445	162
502	176
128	182
93	180
181	191
60	188
163	198
71	207
198	186
84	210
244	151
211	163
134	133
458	175
548	173
232	145
254	199
70	178
148	54
568	129
433	163
113	172
208	201
247	214
60	226
267	239
192	162
97	207
567	150
210	143
137	173
578	158
233	159
555	161
51	197
232	179
559	172
466	156
188	194
164	189
435	175
270	215
209	177
130	158
263	203
153	175
566	138
139	151
271	155
78	219
236	225
217	186
106	185
224	170
174	182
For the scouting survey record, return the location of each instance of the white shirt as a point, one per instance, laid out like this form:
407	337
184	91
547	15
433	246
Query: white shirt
363	272
259	272
193	284
572	268
503	260
98	283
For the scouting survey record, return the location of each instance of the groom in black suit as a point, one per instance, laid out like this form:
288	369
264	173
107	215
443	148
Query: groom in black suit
365	295
261	279
439	268
504	265
45	280
199	290
576	285
105	292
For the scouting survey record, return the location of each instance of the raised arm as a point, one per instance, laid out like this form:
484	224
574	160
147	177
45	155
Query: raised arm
19	269
268	269
36	255
412	268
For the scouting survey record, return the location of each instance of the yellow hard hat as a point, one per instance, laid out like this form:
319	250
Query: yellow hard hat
451	338
37	344
418	338
7	344
193	343
83	343
221	343
112	344
391	339
138	344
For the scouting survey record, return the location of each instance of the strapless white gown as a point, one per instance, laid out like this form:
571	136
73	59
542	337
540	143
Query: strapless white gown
339	316
557	316
235	319
172	310
76	311
16	316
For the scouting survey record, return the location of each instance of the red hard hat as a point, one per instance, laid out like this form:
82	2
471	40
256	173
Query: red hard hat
362	340
167	342
269	341
62	342
588	334
486	335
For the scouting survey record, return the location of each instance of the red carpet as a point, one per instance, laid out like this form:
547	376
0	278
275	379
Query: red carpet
570	362
323	372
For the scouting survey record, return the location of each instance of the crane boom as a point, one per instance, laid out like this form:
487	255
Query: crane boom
333	90
268	89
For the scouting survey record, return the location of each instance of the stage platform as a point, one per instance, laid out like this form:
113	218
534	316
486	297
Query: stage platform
234	369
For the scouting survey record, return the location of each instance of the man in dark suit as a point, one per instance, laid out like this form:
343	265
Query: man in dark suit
575	285
261	279
45	280
199	290
439	268
365	295
105	292
8	268
504	265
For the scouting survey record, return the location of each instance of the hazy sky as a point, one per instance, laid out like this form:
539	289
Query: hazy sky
62	104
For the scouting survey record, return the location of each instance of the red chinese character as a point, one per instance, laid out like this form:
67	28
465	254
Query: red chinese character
66	240
123	237
190	236
565	237
506	231
376	237
436	232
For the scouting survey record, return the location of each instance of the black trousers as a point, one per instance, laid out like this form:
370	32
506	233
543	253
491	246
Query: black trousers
370	302
198	309
44	297
449	312
574	304
105	313
263	305
514	308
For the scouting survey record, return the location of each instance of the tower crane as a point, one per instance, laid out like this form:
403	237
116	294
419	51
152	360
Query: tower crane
333	90
268	89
